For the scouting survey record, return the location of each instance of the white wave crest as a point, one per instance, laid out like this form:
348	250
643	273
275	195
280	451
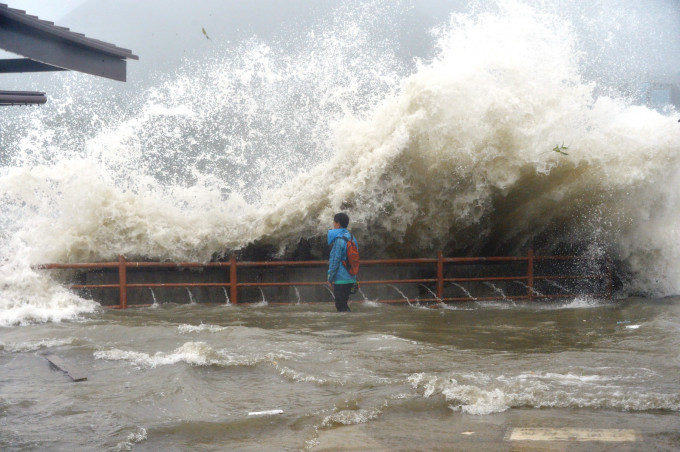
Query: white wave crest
185	328
193	353
482	394
350	417
133	438
299	376
31	346
30	296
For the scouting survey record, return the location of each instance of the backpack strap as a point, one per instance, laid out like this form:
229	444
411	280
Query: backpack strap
351	237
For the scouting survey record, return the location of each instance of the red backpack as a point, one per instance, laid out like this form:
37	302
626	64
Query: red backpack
352	262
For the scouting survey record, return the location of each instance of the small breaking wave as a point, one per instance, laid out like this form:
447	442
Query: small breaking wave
133	438
481	394
185	328
350	417
31	346
297	376
28	297
192	353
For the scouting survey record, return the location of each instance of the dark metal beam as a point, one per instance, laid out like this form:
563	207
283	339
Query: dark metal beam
40	46
21	98
48	47
57	32
10	65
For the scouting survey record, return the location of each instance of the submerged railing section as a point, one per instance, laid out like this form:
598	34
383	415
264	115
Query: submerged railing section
449	279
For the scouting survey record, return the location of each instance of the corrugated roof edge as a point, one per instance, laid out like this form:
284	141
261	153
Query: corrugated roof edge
64	33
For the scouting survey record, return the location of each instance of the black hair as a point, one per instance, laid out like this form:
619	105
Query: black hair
342	219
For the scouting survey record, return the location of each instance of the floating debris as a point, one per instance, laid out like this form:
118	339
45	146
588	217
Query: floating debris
265	413
561	149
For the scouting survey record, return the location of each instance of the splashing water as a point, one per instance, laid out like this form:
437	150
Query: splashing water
429	290
400	292
465	291
363	295
297	294
559	286
496	289
153	297
263	301
226	296
460	147
404	296
191	296
534	291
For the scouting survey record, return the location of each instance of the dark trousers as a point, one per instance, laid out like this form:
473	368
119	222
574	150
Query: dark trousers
341	293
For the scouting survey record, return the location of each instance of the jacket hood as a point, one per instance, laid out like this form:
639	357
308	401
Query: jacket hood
335	233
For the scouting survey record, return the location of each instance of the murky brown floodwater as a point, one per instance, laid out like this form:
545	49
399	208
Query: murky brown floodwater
186	377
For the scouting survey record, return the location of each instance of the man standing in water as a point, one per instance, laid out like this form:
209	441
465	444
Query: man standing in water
338	264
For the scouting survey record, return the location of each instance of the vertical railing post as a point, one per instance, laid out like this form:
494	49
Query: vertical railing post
233	288
530	274
610	277
440	275
122	281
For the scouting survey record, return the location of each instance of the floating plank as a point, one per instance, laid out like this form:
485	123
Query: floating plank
573	434
71	370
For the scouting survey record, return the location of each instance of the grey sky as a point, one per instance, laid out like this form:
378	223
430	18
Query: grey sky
622	39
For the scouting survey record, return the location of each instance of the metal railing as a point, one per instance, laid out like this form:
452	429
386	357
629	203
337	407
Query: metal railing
529	279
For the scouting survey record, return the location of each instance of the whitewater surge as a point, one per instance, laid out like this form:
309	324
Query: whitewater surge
463	157
28	296
264	144
480	393
193	353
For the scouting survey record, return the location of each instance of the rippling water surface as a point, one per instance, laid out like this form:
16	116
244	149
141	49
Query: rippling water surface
193	377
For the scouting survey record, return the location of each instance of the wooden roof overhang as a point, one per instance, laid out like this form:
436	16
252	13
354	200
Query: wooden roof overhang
48	47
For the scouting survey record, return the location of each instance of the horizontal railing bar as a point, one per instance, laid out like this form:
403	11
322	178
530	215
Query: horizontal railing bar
325	262
176	264
572	295
94	286
281	284
244	284
509	297
76	266
415	260
151	285
280	263
484	259
398	281
490	278
567	258
322	283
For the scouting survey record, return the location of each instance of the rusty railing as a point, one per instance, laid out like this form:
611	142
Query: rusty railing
529	279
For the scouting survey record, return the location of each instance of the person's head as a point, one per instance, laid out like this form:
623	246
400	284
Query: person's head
341	219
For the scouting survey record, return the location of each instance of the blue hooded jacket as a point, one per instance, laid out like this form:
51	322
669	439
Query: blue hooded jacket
337	273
